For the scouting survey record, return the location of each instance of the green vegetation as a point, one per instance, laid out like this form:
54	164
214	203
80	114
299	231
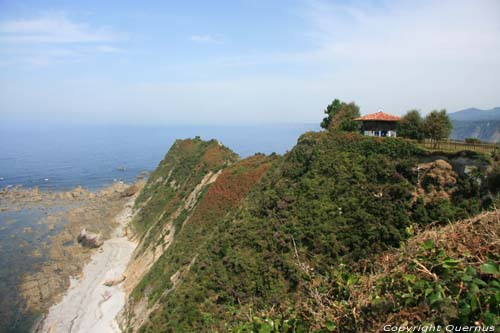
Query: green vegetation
341	234
197	229
183	167
458	146
472	140
340	116
411	126
442	276
436	126
311	224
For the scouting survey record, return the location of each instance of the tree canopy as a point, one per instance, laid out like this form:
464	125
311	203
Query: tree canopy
437	125
340	116
411	126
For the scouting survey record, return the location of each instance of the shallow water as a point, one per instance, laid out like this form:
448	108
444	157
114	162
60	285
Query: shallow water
23	246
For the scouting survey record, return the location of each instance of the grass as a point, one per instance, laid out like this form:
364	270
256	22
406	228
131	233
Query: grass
456	146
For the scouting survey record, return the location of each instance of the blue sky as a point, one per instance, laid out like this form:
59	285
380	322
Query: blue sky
202	62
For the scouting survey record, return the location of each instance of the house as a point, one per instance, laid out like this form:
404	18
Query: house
378	124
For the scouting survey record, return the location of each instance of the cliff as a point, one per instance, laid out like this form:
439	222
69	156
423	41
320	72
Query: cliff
484	130
282	241
169	197
476	123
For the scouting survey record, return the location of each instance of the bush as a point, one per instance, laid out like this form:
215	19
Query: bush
472	140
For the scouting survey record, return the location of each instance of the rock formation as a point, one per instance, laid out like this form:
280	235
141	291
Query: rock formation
89	239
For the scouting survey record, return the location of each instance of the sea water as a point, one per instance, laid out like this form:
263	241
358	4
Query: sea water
62	157
56	157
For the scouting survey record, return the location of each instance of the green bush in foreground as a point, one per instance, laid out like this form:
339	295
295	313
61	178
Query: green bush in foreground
444	276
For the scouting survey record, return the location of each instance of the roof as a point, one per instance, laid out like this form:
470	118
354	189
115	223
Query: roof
378	116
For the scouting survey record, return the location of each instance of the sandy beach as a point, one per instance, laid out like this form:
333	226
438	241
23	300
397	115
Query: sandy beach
94	299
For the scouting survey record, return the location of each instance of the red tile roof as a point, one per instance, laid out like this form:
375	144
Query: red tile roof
379	116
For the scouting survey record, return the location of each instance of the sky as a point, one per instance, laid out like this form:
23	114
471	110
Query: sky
243	61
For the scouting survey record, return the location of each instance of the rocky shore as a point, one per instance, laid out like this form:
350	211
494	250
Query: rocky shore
94	299
82	222
19	197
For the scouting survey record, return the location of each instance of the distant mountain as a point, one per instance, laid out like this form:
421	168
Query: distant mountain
476	123
473	114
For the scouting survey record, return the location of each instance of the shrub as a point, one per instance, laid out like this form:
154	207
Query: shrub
472	140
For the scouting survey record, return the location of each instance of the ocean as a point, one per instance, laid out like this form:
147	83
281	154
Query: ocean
62	157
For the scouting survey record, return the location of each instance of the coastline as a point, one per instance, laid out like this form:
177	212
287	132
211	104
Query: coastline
92	301
39	247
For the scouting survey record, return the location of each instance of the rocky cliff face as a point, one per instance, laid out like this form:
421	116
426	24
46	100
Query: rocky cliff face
222	239
485	130
476	123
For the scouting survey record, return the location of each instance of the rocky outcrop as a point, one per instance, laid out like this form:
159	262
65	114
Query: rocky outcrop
19	197
462	162
89	239
437	179
130	191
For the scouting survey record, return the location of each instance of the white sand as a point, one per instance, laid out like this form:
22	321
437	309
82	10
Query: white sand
88	305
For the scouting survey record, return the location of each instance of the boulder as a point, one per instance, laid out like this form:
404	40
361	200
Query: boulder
130	191
89	239
114	282
443	165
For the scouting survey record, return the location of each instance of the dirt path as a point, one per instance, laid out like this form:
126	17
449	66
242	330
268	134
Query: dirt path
89	305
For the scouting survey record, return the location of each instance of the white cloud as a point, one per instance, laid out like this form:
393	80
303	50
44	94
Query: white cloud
52	38
392	55
206	39
405	54
43	57
395	56
53	28
408	30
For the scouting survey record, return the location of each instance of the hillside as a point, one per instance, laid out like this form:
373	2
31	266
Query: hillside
476	123
444	276
169	195
228	244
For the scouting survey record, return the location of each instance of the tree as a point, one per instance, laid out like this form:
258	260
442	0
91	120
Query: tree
340	116
411	126
331	110
437	126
